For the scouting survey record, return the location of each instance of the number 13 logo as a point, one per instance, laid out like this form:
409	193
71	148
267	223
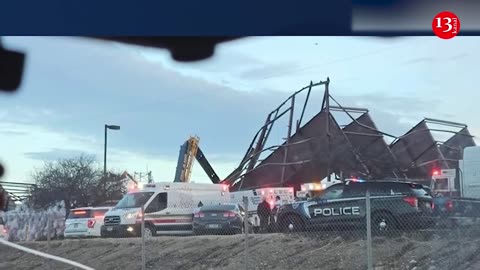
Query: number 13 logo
446	25
447	22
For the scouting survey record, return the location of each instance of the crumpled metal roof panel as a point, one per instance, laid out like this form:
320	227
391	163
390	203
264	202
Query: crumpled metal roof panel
370	145
310	146
453	147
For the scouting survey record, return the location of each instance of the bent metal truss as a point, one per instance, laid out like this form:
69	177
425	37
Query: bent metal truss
321	147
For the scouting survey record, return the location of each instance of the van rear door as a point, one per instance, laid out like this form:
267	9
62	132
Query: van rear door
77	221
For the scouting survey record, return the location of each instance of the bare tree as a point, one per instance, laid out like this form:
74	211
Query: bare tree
73	180
78	182
110	188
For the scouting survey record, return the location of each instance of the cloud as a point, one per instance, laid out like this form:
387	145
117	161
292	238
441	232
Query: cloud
13	132
392	114
420	60
225	60
56	154
224	157
89	84
73	87
270	70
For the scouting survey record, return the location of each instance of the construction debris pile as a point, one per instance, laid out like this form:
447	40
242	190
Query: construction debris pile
322	147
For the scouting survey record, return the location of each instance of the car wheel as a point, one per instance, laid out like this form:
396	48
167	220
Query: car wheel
383	223
292	223
148	232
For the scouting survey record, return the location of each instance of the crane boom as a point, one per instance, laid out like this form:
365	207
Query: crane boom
190	151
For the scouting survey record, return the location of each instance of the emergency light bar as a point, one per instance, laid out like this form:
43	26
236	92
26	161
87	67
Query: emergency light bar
313	186
355	180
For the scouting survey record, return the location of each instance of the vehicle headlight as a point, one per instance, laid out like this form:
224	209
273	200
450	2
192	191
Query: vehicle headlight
131	215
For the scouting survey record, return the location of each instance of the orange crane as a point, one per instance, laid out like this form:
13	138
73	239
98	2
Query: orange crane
189	152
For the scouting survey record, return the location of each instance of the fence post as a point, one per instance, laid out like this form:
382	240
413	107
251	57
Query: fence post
369	231
246	225
48	240
143	238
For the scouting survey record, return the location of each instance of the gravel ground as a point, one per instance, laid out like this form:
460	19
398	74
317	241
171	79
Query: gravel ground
415	250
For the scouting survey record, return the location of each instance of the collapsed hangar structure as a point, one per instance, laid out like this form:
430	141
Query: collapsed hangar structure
322	148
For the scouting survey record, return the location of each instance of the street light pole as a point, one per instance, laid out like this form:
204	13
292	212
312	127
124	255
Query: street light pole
113	127
105	153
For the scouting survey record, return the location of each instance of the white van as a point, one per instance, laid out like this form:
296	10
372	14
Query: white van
169	208
286	195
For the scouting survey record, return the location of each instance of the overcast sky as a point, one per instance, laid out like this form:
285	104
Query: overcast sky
73	86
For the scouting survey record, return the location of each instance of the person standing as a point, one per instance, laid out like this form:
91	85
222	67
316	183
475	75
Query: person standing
276	208
278	203
199	206
264	213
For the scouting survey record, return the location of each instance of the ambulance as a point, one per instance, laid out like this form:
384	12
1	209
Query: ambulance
168	208
255	196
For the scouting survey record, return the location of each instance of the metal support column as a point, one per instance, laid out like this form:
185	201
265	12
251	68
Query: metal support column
290	123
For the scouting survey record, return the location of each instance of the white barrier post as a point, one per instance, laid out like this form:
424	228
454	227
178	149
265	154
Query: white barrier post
369	232
246	226
48	239
143	238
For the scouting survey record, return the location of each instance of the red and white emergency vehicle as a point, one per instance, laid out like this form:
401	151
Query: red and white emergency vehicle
168	208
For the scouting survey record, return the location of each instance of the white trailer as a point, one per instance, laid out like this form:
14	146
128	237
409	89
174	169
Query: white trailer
470	173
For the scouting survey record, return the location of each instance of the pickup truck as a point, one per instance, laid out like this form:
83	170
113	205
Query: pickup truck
394	205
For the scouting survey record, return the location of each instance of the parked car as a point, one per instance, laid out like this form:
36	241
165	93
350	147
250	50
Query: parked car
85	222
227	218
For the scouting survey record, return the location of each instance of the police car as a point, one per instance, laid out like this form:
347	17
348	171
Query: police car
394	205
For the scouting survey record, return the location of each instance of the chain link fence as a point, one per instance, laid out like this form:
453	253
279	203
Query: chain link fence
24	224
381	225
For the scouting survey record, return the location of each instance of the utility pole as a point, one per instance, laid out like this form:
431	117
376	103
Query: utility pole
150	179
105	153
140	175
